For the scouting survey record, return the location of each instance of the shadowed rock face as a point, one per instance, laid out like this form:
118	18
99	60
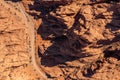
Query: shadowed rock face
48	3
80	41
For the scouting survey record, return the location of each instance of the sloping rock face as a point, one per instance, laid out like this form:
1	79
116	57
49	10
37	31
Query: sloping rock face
53	2
15	47
78	40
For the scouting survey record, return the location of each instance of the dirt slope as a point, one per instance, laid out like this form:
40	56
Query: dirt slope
76	40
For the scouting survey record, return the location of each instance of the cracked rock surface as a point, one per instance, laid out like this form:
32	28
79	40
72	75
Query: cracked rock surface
15	62
78	40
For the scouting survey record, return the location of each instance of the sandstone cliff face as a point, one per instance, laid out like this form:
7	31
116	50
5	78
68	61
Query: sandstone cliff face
78	40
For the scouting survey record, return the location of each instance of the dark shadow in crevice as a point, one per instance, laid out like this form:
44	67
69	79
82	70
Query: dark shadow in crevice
51	28
108	42
45	7
102	1
112	53
66	45
14	0
92	68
